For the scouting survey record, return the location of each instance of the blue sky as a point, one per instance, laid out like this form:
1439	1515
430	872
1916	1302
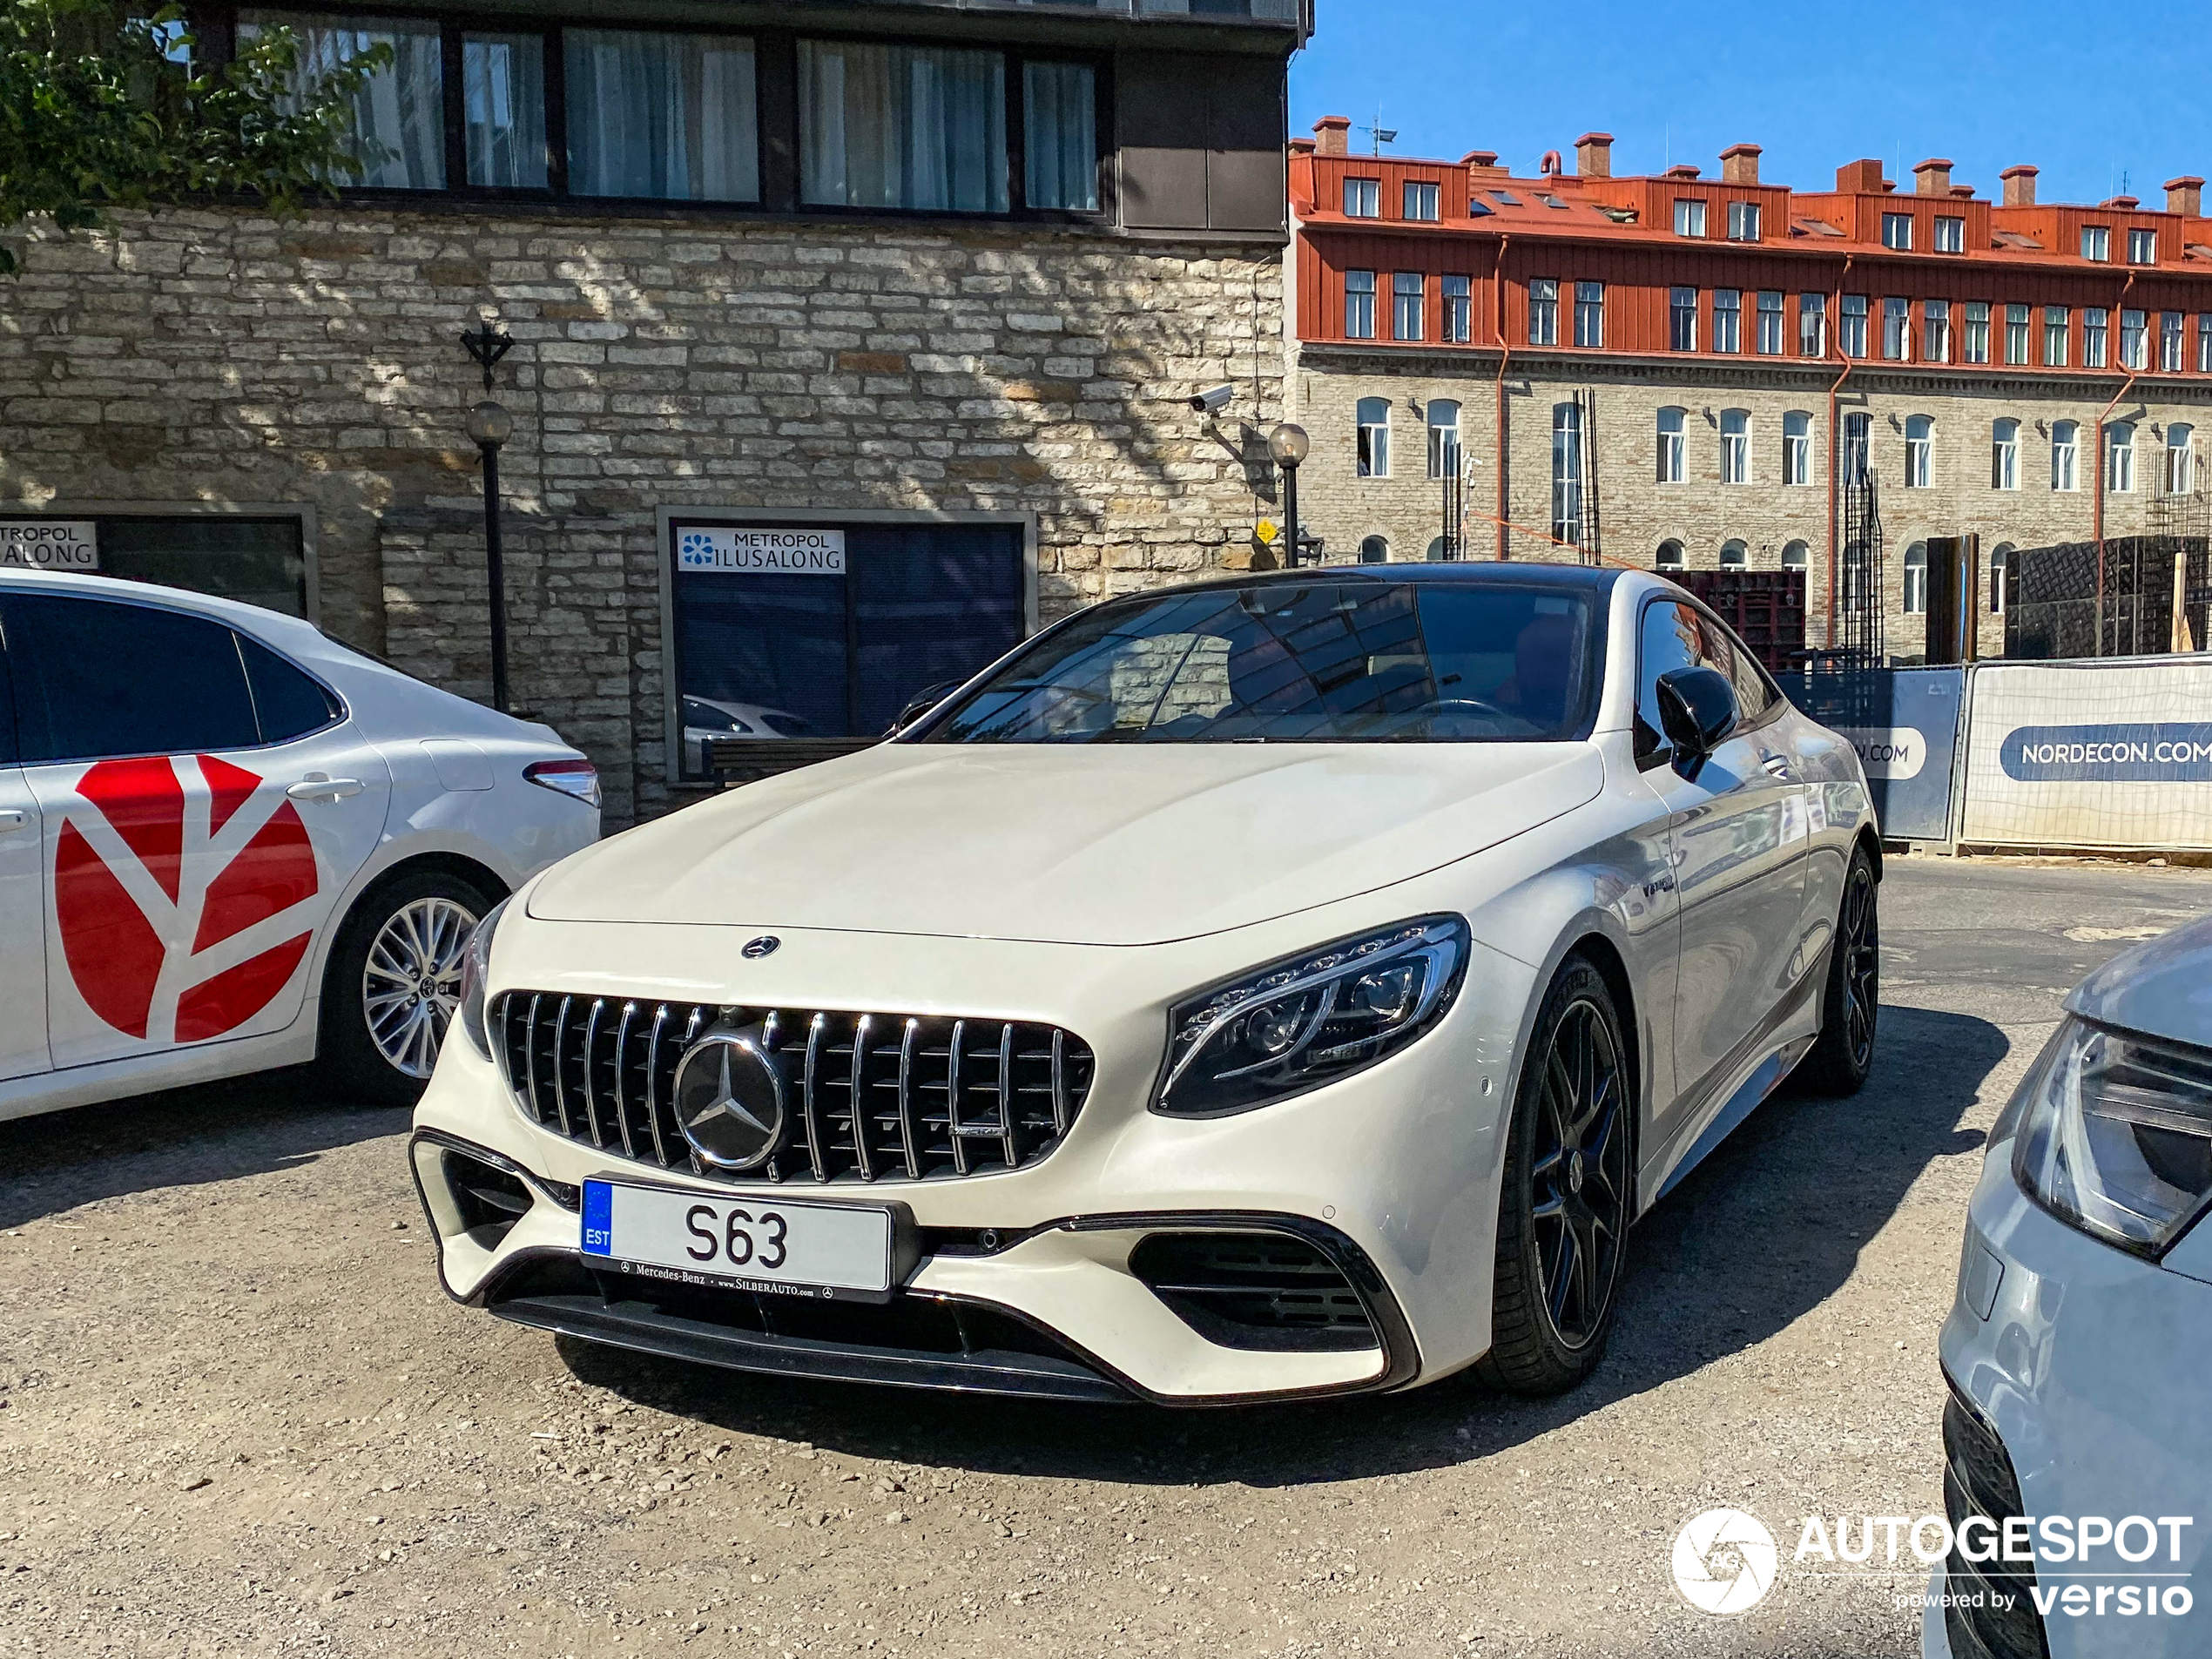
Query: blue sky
2085	93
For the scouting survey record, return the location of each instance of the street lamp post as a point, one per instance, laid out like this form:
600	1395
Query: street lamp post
1288	445
490	426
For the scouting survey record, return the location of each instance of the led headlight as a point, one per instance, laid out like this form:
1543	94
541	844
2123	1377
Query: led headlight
472	979
2116	1134
1311	1019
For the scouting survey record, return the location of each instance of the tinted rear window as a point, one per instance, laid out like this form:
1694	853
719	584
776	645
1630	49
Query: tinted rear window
94	678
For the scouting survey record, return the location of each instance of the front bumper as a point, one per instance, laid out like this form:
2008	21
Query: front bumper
1023	1280
2085	1365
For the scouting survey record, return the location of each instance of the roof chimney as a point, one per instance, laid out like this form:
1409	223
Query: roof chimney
1594	155
1860	178
2120	201
1963	192
2019	185
1482	164
1682	170
1332	134
1302	147
1740	165
1932	178
2185	196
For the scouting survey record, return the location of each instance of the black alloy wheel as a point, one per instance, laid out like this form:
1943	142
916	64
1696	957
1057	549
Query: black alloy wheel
1850	1010
1568	1196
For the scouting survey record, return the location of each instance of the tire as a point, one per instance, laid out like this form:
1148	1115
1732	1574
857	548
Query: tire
389	1064
1568	1189
1851	1006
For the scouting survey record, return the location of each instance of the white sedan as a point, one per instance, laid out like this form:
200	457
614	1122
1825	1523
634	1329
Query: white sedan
1282	984
228	843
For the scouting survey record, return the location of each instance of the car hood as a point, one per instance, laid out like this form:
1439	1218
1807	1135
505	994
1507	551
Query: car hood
2162	988
1065	844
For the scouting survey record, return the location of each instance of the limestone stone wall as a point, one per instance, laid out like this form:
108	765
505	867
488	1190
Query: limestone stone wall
226	357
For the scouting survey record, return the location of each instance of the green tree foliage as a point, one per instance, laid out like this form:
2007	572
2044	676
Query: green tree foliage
100	109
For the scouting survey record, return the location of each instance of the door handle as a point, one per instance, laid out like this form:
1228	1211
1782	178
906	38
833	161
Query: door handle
319	786
12	819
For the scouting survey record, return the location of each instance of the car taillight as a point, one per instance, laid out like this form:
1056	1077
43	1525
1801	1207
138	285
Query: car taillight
577	777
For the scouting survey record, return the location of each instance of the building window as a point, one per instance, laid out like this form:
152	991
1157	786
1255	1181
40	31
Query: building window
1796	447
880	126
2065	452
1668	556
2055	329
2142	247
1897	329
1566	474
1059	133
502	103
1919	447
2170	331
2119	457
1728	320
1363	199
1858	443
2005	455
1359	305
1409	307
1543	311
1916	579
395	119
1374	437
1794	555
1852	325
1950	234
1459	309
1735	556
2093	336
2016	330
1813	325
1735	446
2132	342
1443	438
1671	446
2204	342
1896	230
1935	331
1690	217
1374	550
1976	344
2180	458
1682	313
1589	314
1422	200
1770	336
2096	242
1743	222
2000	564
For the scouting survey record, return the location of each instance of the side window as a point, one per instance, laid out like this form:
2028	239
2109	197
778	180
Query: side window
93	678
1753	695
1672	636
286	704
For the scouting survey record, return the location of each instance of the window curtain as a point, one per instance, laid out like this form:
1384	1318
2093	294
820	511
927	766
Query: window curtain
664	116
503	92
398	115
902	126
1060	124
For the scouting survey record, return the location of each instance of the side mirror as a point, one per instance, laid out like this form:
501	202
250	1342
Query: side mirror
1697	709
921	703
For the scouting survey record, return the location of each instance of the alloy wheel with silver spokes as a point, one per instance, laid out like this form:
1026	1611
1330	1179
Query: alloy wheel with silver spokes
1858	937
411	982
1578	1174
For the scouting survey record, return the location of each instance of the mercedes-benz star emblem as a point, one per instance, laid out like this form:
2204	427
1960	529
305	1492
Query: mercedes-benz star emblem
730	1100
756	949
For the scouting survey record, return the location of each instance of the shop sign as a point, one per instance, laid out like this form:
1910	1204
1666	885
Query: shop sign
720	550
49	544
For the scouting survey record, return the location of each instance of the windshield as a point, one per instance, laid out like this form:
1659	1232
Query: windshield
1320	662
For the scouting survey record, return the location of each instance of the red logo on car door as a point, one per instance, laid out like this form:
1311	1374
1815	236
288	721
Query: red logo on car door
158	876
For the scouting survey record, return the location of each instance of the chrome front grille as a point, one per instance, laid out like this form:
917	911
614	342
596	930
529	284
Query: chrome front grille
875	1096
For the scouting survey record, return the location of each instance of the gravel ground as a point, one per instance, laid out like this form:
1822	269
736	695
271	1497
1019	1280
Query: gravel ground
237	1416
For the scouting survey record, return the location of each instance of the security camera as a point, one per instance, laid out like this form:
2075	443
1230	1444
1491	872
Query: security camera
1214	401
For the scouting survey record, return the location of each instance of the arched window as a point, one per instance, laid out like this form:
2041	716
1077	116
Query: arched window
1669	555
1858	442
1374	437
2005	455
2000	568
1919	451
1374	550
1795	555
2180	458
1735	556
1671	446
2119	457
1443	438
2066	454
1796	447
1439	551
1566	474
1916	579
1735	446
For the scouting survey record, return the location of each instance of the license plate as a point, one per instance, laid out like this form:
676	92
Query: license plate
752	1242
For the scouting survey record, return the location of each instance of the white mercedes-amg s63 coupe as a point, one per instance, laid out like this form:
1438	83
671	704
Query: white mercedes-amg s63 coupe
1284	985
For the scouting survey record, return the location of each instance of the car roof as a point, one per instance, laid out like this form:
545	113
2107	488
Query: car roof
253	619
1492	572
